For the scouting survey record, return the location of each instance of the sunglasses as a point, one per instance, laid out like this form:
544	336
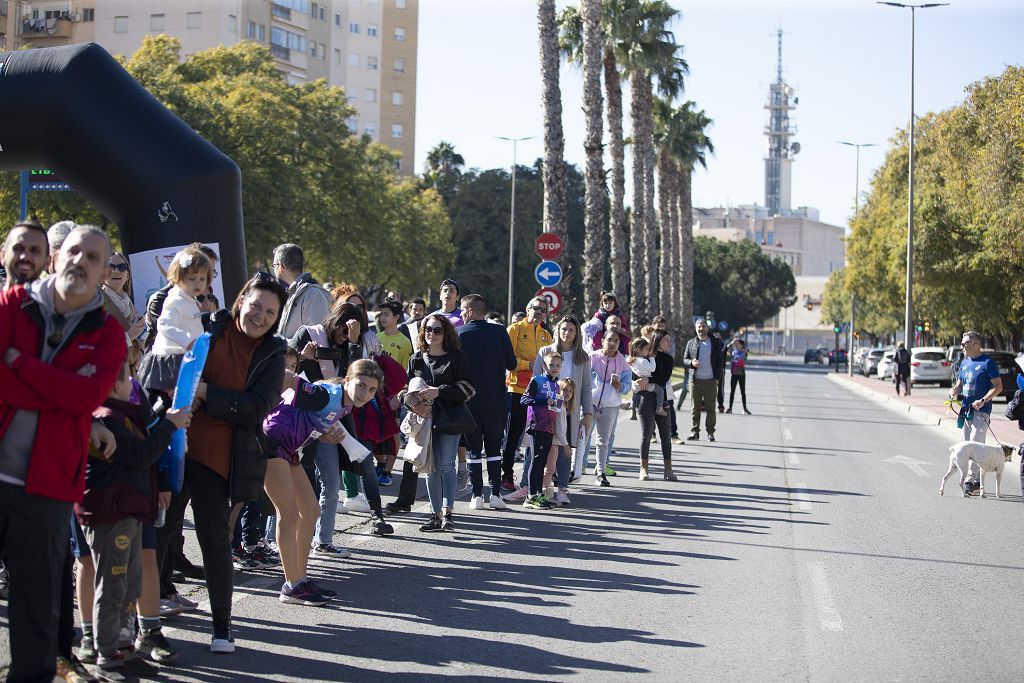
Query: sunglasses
433	330
539	308
203	298
120	267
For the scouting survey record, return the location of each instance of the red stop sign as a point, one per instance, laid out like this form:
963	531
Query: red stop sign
549	246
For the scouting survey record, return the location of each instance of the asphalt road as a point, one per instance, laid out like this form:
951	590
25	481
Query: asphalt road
799	546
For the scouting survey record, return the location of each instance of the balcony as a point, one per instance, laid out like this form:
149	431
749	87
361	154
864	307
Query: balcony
36	29
281	52
281	12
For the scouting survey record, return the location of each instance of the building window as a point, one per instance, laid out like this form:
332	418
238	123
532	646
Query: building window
321	52
89	14
323	14
156	22
353	27
399	66
353	60
371	63
399	33
312	48
371	30
250	29
337	19
371	95
232	23
194	20
353	94
397	130
120	24
261	33
280	11
396	98
370	129
313	10
337	56
399	4
353	125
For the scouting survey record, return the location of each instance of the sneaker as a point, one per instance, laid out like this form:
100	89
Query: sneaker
86	651
448	524
728	411
497	503
721	409
331	549
609	472
477	503
303	594
138	666
243	560
747	412
711	438
326	592
393	508
573	477
379	527
538	502
357	504
183	566
517	495
72	671
264	557
678	441
222	641
562	498
184	604
462	481
694	436
508	485
384	479
433	524
603	481
153	644
113	669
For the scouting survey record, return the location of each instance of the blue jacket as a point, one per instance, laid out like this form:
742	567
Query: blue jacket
490	355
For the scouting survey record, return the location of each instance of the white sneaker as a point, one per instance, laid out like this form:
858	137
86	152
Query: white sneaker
562	498
477	503
497	503
520	494
357	504
223	646
549	493
462	482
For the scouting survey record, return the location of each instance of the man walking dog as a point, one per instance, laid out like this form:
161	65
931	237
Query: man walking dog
977	383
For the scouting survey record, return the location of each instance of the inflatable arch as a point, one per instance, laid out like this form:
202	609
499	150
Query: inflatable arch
76	111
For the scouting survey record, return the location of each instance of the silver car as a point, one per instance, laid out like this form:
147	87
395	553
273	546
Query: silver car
885	370
869	363
929	364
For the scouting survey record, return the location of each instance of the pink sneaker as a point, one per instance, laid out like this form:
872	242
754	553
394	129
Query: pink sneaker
520	494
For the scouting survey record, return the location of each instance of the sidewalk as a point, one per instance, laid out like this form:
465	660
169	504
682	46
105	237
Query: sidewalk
925	409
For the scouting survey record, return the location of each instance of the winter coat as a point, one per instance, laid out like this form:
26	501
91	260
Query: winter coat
527	340
584	381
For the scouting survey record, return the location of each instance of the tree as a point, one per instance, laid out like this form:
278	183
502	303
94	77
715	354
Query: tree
443	170
594	253
555	210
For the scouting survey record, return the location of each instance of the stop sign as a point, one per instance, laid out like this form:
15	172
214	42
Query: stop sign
548	246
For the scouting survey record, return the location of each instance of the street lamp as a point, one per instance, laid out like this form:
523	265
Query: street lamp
512	220
908	319
856	214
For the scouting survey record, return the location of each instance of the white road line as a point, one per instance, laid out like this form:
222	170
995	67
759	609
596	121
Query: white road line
787	434
802	498
827	612
794	459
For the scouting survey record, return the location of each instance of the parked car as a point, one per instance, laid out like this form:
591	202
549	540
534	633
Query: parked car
858	356
869	363
884	370
842	356
954	354
929	364
1008	370
813	356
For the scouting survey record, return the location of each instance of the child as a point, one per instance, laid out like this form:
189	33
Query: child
543	404
561	444
179	324
307	413
394	342
642	365
120	495
291	368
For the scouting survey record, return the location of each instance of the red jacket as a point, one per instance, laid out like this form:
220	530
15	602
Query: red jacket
64	399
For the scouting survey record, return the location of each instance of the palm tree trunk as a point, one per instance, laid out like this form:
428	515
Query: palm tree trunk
650	219
665	232
674	260
555	204
594	256
638	255
686	302
617	148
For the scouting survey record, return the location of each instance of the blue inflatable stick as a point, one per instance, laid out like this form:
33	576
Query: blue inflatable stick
173	459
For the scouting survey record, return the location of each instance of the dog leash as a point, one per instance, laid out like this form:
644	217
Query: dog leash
952	404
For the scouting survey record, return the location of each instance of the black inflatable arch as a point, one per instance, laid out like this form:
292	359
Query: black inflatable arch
76	111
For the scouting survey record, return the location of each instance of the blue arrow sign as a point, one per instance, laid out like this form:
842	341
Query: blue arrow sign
548	273
722	325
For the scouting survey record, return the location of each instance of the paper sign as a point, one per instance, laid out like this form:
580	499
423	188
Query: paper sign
149	273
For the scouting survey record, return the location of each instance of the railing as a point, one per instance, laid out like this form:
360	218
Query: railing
281	52
280	11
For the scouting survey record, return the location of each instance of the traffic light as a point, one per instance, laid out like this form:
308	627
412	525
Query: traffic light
927	325
837	328
920	326
810	306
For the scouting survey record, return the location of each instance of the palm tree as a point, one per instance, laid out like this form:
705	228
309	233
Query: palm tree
443	169
555	203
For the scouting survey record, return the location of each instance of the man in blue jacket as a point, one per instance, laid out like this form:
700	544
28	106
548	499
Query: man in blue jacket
490	355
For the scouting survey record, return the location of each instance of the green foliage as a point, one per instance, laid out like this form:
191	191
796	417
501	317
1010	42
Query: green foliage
305	177
737	281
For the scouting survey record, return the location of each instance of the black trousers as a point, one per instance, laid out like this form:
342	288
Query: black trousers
410	483
34	543
721	392
513	432
211	503
648	420
484	446
741	380
541	448
167	538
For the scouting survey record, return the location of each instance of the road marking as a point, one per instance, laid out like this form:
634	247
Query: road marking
787	434
802	498
827	612
794	459
913	465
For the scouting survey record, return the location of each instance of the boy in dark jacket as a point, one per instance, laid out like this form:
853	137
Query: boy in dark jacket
541	399
121	494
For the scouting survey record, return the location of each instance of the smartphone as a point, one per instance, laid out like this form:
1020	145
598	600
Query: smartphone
327	353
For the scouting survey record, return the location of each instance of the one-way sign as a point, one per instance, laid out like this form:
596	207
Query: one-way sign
548	273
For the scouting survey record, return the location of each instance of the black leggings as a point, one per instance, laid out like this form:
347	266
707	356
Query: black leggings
742	381
211	504
648	420
541	448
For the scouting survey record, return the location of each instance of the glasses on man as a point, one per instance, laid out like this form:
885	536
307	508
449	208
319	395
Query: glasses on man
433	330
120	267
542	309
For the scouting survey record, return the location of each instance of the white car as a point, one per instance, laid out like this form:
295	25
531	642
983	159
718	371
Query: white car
929	364
885	365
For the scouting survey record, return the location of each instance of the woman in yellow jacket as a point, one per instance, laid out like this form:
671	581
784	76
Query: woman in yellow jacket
527	336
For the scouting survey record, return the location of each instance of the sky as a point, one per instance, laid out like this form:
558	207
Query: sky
848	60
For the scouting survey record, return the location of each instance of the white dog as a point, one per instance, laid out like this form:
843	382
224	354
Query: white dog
989	459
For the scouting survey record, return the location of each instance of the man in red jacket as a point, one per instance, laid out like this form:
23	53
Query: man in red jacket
61	355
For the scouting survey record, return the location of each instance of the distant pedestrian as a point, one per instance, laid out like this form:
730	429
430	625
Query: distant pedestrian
738	374
308	302
704	355
977	383
900	368
414	312
612	379
450	302
651	391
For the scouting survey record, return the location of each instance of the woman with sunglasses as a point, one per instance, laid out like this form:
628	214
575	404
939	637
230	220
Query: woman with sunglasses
575	366
442	365
117	295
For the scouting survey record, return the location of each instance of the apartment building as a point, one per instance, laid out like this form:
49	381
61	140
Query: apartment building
368	47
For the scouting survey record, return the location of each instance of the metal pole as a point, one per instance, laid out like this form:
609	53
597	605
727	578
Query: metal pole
512	234
853	324
23	210
908	317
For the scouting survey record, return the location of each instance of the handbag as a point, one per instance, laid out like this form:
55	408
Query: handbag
452	417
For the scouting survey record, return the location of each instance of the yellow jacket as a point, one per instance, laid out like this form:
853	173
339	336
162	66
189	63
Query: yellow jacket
527	340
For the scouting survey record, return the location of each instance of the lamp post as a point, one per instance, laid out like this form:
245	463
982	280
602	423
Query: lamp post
856	214
908	320
512	221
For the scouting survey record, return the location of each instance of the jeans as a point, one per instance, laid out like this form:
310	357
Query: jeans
34	545
211	504
741	380
514	431
326	458
648	419
484	446
706	391
563	467
247	528
441	480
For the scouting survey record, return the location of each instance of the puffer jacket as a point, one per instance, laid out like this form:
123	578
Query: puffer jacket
527	340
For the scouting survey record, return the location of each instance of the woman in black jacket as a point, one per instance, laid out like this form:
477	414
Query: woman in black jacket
647	409
226	461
